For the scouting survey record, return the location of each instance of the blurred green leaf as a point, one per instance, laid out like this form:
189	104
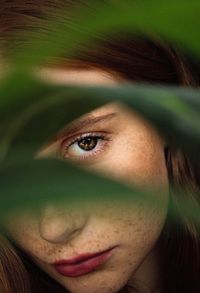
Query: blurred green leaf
33	111
176	22
28	184
174	111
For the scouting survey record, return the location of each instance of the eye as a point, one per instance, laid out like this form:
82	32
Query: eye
84	146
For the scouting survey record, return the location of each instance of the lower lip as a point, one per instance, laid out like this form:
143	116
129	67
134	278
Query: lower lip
85	267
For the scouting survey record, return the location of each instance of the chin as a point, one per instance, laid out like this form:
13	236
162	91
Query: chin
89	288
94	283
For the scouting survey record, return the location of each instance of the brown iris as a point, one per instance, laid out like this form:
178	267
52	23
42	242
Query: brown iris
88	143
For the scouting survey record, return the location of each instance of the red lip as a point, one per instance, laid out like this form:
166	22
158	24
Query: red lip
82	264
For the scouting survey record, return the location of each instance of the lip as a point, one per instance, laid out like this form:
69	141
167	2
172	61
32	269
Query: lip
82	264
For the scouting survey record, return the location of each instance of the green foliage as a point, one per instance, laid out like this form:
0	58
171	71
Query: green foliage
175	21
27	104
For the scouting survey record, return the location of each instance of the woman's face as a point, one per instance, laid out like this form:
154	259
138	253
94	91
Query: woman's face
118	143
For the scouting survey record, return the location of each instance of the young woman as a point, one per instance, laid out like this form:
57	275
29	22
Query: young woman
107	247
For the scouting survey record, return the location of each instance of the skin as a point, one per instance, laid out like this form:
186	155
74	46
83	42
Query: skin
130	151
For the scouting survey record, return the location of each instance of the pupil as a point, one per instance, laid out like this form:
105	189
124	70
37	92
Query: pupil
87	144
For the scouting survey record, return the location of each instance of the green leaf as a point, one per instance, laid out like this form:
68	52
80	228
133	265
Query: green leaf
176	22
31	183
174	111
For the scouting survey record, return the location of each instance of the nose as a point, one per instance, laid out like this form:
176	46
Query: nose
60	224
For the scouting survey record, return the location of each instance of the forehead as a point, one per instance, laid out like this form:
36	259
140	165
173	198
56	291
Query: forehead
78	76
88	77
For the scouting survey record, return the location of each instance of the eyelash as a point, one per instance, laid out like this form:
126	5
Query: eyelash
102	139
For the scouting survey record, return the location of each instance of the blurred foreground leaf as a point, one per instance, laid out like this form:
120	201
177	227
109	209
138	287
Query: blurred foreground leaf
175	111
176	22
28	184
32	111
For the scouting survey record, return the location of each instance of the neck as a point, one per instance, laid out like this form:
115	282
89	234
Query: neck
146	279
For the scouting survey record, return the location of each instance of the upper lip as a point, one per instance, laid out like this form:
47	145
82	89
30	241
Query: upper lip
80	258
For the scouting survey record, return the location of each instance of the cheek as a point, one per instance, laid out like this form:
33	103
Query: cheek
138	229
135	225
23	229
136	159
134	229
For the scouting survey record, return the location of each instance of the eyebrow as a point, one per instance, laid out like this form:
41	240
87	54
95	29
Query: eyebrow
79	124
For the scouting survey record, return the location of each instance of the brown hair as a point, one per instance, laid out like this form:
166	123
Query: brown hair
134	58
